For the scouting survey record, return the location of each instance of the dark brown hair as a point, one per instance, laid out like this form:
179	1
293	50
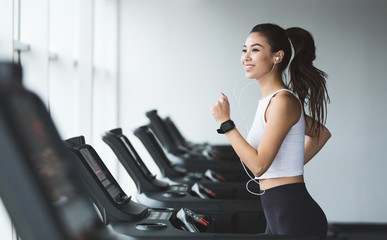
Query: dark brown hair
307	81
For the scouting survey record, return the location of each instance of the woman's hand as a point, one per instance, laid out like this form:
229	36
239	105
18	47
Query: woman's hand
221	109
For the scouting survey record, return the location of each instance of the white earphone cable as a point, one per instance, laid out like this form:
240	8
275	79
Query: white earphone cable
238	101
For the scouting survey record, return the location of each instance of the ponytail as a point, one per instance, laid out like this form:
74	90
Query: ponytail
307	81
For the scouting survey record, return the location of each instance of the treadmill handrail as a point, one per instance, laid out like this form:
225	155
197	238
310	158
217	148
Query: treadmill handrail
159	129
145	181
148	139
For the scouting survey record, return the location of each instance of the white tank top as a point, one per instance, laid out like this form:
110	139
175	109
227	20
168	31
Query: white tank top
289	160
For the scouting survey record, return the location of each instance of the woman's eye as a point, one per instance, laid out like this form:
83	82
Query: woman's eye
255	50
244	50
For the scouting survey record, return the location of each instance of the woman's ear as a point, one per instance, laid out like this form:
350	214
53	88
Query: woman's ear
278	56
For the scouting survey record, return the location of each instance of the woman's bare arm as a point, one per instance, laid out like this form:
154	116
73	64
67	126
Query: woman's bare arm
316	139
282	114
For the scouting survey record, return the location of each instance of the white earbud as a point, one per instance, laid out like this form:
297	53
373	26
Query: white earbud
277	58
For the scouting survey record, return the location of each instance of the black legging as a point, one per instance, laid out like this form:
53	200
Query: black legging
290	210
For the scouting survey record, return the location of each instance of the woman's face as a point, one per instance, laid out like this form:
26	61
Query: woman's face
257	58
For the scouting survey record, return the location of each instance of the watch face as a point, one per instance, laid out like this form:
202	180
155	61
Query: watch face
226	125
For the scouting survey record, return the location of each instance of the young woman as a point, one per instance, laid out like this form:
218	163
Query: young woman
276	149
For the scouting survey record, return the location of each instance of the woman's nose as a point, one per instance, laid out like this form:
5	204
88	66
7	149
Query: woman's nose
246	57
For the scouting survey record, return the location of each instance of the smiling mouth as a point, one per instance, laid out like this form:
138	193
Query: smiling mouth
248	68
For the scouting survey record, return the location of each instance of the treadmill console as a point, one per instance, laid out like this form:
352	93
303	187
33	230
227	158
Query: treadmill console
114	190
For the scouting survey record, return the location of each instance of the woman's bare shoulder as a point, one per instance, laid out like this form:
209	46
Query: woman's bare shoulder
288	104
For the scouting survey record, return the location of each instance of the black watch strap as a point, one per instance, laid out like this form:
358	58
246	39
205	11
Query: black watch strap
226	126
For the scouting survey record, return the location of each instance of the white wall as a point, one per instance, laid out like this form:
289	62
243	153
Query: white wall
6	30
177	56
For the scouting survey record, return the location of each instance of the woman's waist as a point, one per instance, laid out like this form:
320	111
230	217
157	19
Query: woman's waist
269	183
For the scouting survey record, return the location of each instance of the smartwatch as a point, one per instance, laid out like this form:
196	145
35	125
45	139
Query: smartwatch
226	126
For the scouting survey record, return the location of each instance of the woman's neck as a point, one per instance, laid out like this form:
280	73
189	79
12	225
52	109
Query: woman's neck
271	84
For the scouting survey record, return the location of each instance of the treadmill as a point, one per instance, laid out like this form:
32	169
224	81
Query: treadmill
41	189
188	158
178	174
156	193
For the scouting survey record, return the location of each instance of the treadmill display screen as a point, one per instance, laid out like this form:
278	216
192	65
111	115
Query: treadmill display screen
114	191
